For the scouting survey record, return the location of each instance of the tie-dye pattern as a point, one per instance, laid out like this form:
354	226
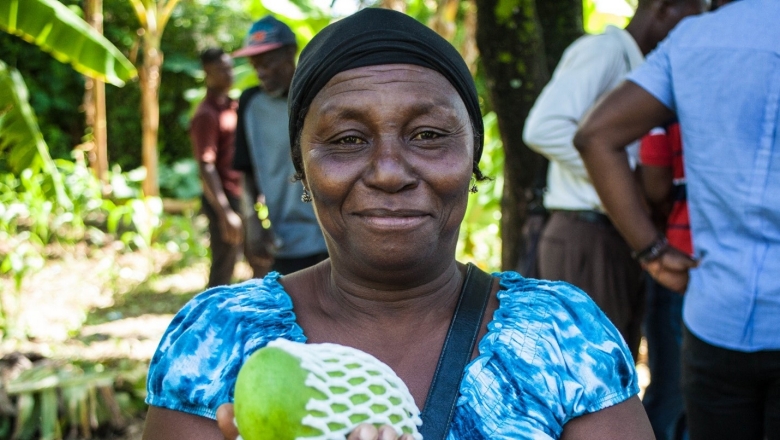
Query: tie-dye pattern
549	355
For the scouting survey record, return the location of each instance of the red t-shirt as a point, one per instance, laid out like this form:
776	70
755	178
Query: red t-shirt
213	133
662	147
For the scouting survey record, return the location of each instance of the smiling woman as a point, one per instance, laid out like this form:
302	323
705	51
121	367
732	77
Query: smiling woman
387	136
387	156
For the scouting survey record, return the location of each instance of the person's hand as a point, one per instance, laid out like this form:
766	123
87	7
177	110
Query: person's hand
230	228
225	418
671	269
364	431
367	431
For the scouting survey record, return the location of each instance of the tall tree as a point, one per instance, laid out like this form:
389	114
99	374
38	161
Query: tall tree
95	101
520	42
153	16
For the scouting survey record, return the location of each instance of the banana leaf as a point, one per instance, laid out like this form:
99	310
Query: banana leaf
21	142
63	34
21	135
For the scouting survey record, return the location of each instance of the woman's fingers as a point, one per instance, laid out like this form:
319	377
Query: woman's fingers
367	431
364	431
387	433
225	422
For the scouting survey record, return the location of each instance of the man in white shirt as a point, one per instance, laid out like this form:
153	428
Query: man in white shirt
579	244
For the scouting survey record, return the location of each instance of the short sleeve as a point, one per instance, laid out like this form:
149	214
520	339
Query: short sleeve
197	361
204	134
550	355
655	75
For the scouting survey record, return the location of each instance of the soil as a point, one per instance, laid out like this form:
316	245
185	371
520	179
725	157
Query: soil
103	304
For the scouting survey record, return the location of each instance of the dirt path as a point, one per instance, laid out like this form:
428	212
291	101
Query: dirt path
102	305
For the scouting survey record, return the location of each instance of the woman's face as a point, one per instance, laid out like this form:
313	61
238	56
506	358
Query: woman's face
387	155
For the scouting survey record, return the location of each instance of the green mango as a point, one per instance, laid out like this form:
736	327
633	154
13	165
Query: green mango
288	390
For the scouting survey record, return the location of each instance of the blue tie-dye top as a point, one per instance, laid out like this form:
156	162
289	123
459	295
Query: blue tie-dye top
550	355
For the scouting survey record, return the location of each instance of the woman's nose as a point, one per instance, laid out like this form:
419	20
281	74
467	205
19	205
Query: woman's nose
389	169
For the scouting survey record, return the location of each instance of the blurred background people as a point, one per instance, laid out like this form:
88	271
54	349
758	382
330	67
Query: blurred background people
263	154
663	184
212	131
579	243
730	120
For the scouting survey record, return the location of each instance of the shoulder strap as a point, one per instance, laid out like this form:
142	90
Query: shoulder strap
456	353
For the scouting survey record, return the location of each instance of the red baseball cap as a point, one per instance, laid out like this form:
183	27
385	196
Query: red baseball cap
266	34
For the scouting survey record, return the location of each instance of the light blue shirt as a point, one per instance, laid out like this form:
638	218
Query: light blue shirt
550	355
720	73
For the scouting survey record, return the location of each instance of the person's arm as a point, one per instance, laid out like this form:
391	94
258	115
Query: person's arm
623	116
204	134
625	421
657	183
585	72
166	424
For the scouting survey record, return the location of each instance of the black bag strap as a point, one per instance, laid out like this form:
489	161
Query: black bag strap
456	353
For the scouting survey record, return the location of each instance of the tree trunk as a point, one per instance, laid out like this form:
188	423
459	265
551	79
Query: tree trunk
511	47
519	44
150	109
95	102
561	22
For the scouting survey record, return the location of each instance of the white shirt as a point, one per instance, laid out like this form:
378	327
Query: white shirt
590	67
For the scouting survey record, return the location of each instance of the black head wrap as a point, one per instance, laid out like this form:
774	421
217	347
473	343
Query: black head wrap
374	37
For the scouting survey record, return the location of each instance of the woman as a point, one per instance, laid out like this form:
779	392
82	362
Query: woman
387	135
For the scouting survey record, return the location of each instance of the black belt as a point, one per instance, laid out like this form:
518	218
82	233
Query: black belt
585	216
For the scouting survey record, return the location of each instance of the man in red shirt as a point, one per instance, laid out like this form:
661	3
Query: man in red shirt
663	181
212	131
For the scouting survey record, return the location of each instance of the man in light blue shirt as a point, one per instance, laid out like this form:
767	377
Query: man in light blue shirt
720	74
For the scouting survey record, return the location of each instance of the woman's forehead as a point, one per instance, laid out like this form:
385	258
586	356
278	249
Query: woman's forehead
398	77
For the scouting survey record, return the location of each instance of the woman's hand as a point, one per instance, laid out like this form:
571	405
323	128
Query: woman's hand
225	418
365	431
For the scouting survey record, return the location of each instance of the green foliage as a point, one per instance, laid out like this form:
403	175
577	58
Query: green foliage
21	142
595	20
194	26
54	400
31	220
480	238
55	93
180	180
57	30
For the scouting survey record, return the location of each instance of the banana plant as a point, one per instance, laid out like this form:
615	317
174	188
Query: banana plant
60	32
57	30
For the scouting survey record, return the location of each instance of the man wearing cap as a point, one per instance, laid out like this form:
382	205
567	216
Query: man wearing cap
263	152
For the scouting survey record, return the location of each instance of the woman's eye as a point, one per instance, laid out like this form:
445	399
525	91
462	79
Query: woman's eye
350	140
425	135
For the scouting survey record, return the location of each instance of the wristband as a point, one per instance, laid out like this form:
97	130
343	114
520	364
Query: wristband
651	252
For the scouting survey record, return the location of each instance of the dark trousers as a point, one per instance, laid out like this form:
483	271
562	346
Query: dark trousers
730	395
584	249
663	399
289	265
223	254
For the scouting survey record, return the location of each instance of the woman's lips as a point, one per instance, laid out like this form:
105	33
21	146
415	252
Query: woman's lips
392	219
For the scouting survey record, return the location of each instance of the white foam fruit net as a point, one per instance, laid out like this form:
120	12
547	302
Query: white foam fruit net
359	388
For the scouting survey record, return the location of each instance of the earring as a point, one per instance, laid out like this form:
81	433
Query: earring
473	189
306	196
